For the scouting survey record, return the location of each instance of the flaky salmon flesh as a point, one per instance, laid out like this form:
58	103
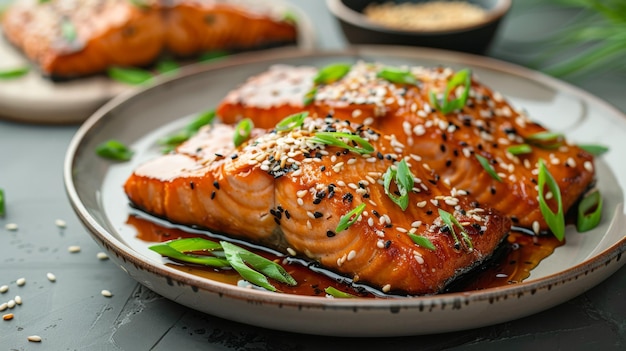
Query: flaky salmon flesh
487	125
341	206
73	38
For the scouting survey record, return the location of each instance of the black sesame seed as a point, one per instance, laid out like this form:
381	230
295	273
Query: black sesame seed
456	152
442	147
379	155
533	180
323	168
216	185
317	214
347	197
277	220
287	215
448	163
330	233
234	156
376	213
366	196
212	195
476	226
429	212
192	185
218	155
514	219
317	201
492	190
387	244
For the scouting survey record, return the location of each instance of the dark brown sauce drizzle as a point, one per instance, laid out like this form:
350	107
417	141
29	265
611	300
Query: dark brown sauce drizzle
511	264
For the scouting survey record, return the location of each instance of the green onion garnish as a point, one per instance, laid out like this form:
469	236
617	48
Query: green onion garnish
114	150
487	166
142	4
291	122
2	211
309	97
546	139
422	241
587	221
212	56
519	149
331	73
334	139
451	222
242	131
14	72
290	17
128	75
192	128
165	66
240	258
338	293
250	266
350	218
404	181
555	221
595	150
68	30
461	78
396	75
167	250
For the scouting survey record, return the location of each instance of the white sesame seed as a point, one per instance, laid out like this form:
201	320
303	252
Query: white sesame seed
401	230
571	162
416	224
536	227
4	306
351	255
11	304
291	251
588	166
380	244
4	289
386	288
34	338
11	226
18	299
300	201
308	224
51	277
106	293
419	259
20	281
370	222
74	249
60	223
102	256
421	204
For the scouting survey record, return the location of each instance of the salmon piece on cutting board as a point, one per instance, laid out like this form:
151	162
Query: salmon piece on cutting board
447	143
284	190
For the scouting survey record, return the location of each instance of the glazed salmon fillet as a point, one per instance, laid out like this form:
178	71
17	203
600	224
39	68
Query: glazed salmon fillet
73	38
289	191
487	125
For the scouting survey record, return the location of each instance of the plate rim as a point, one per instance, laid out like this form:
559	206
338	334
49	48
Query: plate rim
108	240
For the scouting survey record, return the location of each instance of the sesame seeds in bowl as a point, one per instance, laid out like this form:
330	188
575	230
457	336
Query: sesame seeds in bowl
377	22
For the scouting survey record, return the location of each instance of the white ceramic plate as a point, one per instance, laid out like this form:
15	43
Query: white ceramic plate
138	119
33	98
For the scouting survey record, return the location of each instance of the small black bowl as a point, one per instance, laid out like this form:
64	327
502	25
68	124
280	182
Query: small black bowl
476	38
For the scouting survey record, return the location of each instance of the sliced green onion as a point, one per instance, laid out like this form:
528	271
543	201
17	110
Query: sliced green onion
68	30
555	221
168	251
309	97
14	72
546	139
588	220
422	241
487	166
291	122
142	4
334	292
238	257
2	206
290	17
396	75
334	139
404	181
595	150
128	75
212	56
461	78
166	66
194	244
192	128
114	150
242	131
519	149
331	73
451	222
350	218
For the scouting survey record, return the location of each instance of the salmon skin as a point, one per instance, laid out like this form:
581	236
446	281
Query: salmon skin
287	191
73	38
487	125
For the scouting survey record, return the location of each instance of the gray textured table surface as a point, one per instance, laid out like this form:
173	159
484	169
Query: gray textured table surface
71	314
